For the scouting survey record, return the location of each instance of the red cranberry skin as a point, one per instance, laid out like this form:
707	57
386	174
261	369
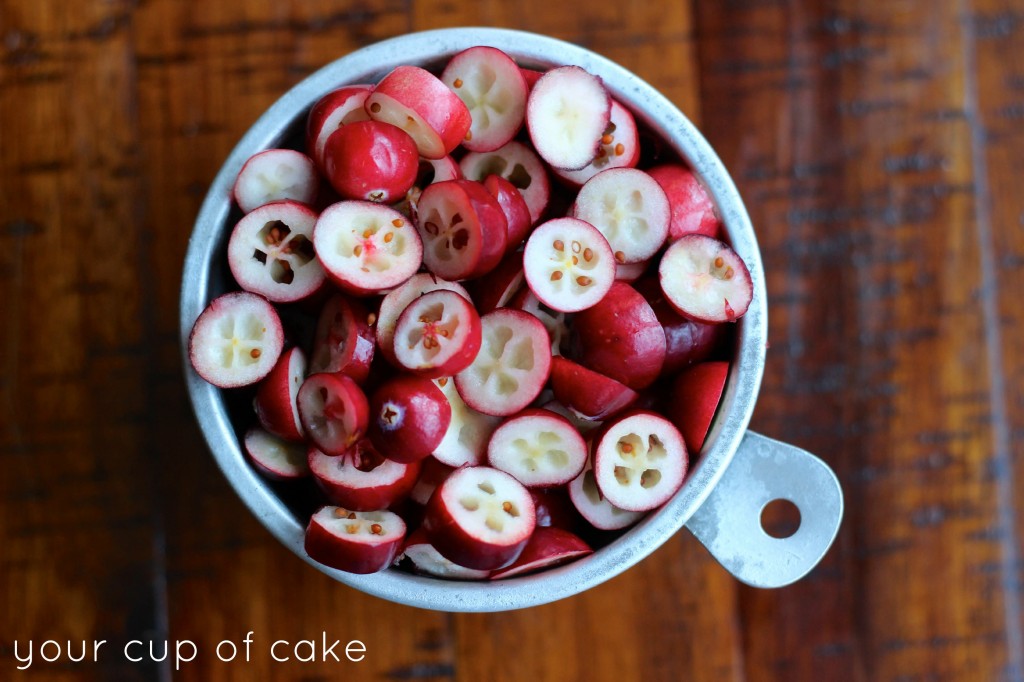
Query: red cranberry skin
548	547
493	225
409	416
693	210
352	557
344	340
554	509
590	394
461	544
621	337
695	394
517	213
357	493
273	401
688	341
371	161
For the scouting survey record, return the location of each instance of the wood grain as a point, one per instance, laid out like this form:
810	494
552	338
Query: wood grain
862	152
878	146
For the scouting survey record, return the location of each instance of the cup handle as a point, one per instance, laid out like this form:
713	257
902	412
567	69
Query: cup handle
729	521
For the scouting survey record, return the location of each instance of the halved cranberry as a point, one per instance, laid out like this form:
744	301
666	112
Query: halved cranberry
270	252
362	479
705	280
463	229
480	518
512	366
491	85
687	341
640	460
620	148
693	210
333	110
629	208
418	102
695	395
344	340
540	448
353	541
437	335
517	212
427	560
275	401
397	300
275	175
595	508
275	458
568	264
621	337
548	547
518	164
366	248
333	410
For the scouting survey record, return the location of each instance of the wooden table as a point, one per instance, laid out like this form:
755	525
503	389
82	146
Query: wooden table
879	147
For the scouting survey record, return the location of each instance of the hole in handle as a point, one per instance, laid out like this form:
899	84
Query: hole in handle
780	518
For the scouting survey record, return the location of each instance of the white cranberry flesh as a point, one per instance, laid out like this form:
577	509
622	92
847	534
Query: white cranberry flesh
437	335
584	426
567	113
640	461
630	209
540	448
512	366
352	541
555	321
492	87
270	252
361	478
274	457
705	280
620	148
275	175
236	340
595	508
366	248
518	164
427	560
568	264
480	518
465	441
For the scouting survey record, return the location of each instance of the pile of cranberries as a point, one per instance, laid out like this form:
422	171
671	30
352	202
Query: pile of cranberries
519	318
